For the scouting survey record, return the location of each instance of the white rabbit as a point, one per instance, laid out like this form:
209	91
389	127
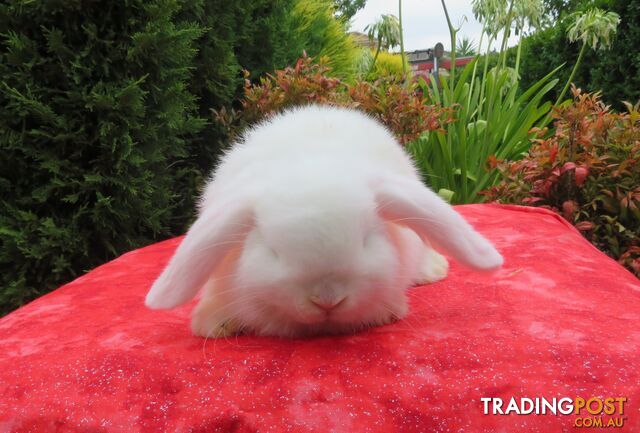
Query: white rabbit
316	222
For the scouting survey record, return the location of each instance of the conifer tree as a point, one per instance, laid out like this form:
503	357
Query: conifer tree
95	121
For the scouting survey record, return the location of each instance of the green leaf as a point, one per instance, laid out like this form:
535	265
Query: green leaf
446	194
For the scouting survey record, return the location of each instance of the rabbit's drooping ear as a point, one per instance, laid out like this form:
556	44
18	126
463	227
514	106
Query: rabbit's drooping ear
409	203
216	231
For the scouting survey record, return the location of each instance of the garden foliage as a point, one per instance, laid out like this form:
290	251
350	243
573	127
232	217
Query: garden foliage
615	72
493	117
587	170
321	35
492	120
400	105
388	65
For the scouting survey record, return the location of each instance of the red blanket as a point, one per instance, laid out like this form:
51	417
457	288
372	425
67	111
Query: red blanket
559	321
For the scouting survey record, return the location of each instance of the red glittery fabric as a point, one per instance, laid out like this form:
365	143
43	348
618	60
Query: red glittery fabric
560	319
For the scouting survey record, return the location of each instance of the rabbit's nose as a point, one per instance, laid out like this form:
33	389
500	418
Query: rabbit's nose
326	304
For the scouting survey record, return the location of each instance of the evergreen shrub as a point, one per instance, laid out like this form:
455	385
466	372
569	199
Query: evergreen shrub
95	123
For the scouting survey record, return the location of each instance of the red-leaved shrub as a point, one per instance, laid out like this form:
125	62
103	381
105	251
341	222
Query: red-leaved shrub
399	105
588	171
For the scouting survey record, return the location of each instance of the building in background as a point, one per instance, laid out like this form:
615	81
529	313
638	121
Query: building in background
422	62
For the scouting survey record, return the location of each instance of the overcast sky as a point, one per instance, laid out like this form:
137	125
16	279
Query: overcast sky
423	20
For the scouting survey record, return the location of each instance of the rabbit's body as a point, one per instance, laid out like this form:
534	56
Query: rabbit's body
316	223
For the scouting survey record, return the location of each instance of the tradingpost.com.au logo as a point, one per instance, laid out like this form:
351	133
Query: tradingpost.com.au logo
593	412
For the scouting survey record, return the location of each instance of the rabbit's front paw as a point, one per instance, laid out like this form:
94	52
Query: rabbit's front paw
208	328
395	311
434	267
211	321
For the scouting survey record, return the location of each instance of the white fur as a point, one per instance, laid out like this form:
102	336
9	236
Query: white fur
321	204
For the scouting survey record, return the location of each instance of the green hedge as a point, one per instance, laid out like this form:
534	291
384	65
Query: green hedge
95	119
